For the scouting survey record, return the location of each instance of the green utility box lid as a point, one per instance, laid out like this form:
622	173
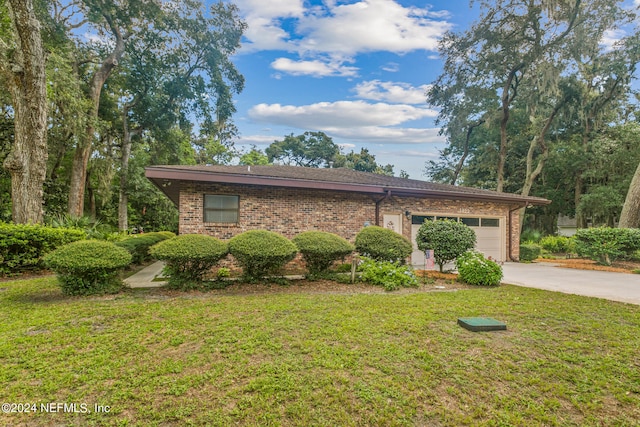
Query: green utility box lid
477	324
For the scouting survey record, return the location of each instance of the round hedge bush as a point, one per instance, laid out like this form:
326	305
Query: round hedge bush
475	269
530	251
319	249
139	244
88	267
382	244
189	257
448	240
261	252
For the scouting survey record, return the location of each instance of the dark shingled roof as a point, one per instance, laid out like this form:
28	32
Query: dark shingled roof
339	179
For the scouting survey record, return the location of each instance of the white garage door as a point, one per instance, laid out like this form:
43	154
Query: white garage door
489	235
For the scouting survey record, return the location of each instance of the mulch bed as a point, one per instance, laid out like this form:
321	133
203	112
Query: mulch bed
587	264
318	287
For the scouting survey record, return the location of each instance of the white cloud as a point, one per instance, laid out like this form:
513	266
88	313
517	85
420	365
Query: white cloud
255	140
395	92
391	67
315	68
387	135
341	30
610	38
341	114
410	153
352	120
264	22
372	25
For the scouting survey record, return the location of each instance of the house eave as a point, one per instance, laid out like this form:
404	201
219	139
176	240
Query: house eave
163	177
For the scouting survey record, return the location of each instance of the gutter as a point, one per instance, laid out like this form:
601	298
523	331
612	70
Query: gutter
386	196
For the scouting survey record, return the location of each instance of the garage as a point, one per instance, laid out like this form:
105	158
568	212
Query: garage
489	234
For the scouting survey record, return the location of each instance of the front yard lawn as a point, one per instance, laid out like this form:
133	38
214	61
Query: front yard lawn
155	357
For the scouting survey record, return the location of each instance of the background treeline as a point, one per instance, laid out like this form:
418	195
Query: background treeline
540	98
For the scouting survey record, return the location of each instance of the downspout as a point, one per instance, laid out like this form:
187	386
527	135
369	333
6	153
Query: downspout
386	196
510	246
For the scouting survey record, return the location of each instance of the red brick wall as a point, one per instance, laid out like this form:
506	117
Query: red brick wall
285	211
292	211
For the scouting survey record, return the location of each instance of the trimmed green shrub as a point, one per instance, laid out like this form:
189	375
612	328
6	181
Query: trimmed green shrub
382	244
88	267
557	244
390	275
319	249
604	244
530	252
475	269
22	246
448	239
138	245
189	257
261	252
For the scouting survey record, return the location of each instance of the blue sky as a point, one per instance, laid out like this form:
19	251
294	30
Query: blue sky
354	69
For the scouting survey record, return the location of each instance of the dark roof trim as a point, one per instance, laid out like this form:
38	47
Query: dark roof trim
159	174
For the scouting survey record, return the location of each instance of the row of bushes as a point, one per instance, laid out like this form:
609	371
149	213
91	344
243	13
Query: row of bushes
22	246
260	253
189	257
601	244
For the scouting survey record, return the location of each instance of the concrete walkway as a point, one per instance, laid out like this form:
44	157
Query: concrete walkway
144	278
621	287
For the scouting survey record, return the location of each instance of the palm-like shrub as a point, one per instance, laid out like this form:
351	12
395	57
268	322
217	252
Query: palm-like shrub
319	249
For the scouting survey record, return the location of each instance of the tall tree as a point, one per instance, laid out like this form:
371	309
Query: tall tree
518	46
193	38
22	64
311	149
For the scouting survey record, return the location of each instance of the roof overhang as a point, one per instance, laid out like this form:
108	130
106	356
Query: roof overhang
167	179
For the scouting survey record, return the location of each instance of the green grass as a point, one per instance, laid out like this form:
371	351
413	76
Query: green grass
171	359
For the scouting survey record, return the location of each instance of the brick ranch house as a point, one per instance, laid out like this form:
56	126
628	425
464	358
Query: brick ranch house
224	201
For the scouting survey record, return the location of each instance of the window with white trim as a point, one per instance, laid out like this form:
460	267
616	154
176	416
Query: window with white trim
221	209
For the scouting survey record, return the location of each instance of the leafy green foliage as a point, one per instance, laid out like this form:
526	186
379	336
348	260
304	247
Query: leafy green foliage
605	244
319	249
390	275
261	252
530	251
88	267
311	149
383	244
22	246
189	257
557	244
448	239
475	269
138	245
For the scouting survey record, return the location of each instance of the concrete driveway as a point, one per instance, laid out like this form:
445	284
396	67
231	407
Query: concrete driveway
600	284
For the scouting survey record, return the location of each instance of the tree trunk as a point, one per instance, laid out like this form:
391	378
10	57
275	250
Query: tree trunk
509	93
538	141
85	145
630	216
123	199
26	79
